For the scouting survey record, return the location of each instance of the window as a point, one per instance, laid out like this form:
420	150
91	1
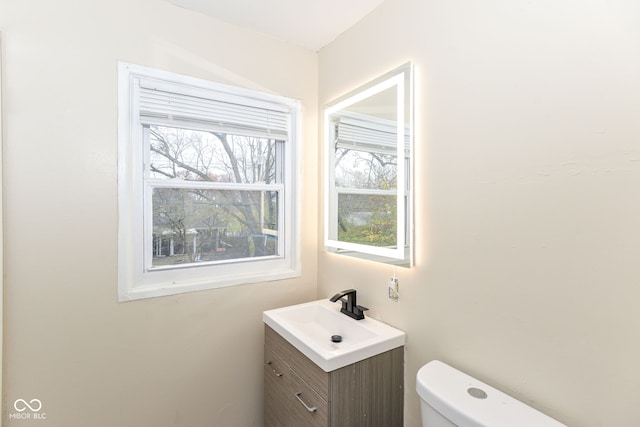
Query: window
207	184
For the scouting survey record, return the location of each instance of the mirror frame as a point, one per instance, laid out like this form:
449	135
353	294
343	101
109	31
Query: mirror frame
402	254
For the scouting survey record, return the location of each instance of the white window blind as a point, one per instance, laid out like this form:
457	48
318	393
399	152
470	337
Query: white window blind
174	105
366	133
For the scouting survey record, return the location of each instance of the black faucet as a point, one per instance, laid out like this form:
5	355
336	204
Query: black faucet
349	307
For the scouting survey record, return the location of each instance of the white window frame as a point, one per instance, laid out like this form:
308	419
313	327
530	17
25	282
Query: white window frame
135	279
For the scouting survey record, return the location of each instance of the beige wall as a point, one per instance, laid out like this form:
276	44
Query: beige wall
527	197
188	360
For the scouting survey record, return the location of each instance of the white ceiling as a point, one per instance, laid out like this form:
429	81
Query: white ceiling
311	24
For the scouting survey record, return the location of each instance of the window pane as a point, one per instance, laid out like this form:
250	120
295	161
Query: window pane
210	156
195	225
363	169
367	219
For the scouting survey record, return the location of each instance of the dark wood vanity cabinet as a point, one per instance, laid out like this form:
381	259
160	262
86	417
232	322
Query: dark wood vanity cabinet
298	393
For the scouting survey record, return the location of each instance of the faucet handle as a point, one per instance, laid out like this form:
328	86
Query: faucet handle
359	310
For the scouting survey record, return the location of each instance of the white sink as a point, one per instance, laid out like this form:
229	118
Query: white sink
309	327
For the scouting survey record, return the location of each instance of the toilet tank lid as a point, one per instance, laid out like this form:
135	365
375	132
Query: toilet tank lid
446	390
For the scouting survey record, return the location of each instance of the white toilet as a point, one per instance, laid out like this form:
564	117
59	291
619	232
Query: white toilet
450	398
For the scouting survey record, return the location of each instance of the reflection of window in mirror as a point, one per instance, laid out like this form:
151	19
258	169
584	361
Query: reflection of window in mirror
367	202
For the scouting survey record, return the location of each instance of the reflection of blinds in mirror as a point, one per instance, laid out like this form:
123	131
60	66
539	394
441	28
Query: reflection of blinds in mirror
168	105
367	133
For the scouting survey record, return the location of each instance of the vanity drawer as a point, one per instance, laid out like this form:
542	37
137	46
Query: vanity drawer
274	366
289	401
306	407
276	374
308	371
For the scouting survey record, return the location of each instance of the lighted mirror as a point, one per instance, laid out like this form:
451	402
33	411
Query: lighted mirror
369	169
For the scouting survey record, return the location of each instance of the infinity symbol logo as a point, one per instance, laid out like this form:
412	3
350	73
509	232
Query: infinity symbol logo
21	405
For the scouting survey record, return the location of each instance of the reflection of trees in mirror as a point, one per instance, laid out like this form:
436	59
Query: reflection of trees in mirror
365	169
369	217
213	222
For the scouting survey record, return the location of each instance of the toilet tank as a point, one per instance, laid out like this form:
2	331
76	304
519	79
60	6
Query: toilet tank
452	398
